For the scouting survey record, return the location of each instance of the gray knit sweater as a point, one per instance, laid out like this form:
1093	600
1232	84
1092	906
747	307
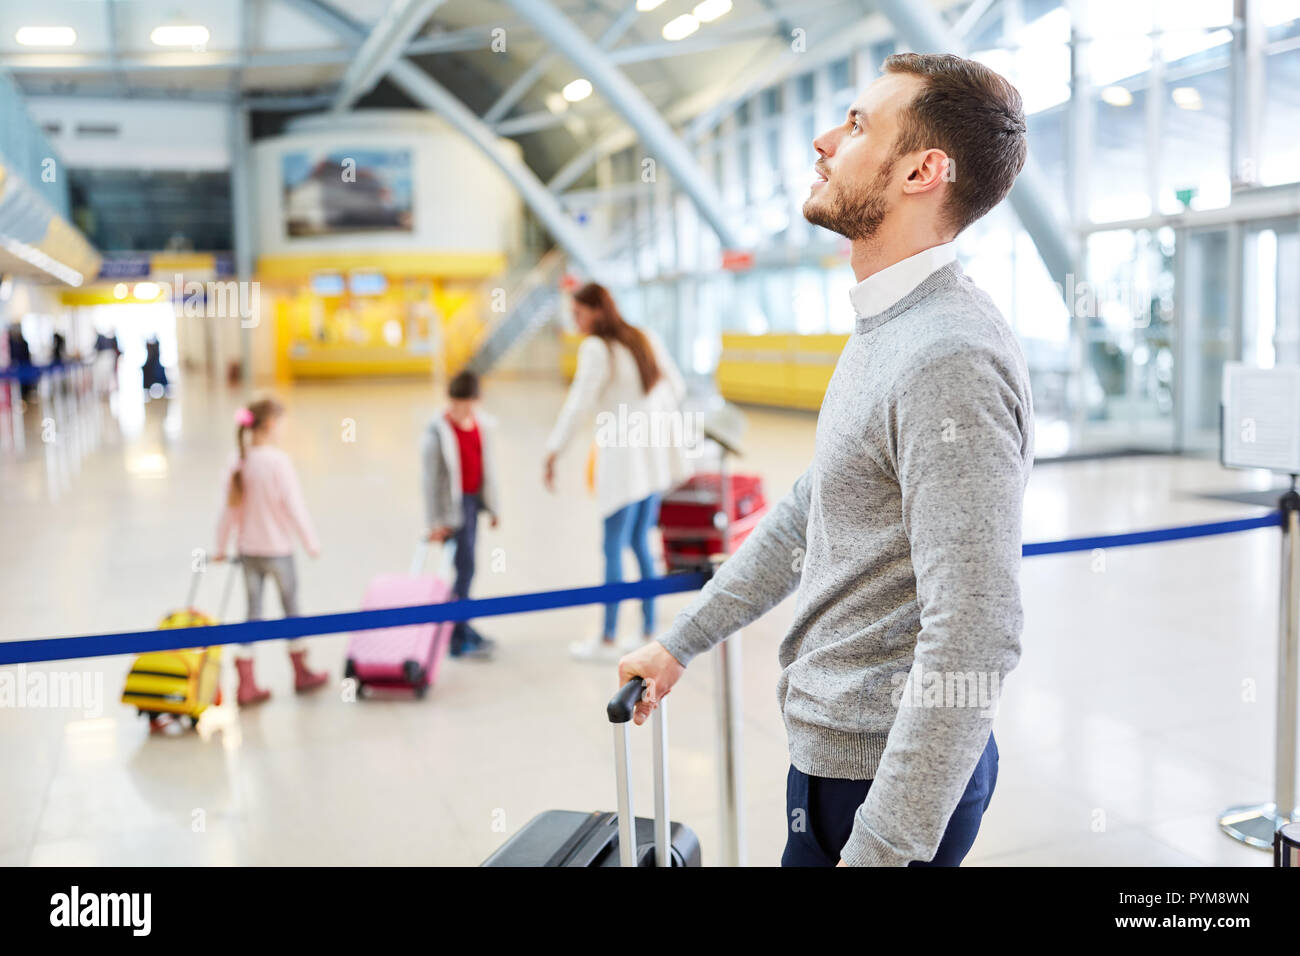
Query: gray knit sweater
903	542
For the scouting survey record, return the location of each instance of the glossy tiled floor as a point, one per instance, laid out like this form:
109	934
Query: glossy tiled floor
1129	723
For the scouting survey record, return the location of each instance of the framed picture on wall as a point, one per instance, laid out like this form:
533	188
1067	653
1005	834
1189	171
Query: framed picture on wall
340	191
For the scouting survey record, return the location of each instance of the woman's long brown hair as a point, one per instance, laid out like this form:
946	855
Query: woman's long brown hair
612	327
263	411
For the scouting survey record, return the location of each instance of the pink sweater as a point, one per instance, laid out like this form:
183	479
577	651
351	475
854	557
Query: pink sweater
272	512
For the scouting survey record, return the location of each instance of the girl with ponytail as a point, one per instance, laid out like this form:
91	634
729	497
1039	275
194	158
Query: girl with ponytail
265	513
624	374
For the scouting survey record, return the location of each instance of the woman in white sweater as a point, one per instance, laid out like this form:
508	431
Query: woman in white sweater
628	391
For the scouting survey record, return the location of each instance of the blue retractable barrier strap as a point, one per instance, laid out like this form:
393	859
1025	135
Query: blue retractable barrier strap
1271	520
137	642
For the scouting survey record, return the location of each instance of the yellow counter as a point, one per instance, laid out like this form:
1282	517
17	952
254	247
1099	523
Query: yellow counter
780	370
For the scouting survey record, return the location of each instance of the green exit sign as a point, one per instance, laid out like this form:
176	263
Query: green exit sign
1185	196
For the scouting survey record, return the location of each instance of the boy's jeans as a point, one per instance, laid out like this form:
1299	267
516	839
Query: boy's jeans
463	636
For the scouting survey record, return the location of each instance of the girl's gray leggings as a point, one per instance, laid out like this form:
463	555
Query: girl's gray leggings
256	570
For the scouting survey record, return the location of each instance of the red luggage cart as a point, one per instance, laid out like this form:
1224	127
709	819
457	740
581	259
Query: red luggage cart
710	514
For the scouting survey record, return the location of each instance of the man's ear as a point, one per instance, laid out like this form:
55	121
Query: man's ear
929	169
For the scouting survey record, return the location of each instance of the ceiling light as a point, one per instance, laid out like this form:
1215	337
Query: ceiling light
1186	97
556	103
180	35
120	291
1117	96
146	291
579	89
46	36
645	6
709	10
680	27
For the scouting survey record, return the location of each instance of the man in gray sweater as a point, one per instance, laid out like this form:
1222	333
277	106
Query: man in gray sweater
902	540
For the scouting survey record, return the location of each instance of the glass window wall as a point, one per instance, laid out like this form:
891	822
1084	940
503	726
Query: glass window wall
1145	135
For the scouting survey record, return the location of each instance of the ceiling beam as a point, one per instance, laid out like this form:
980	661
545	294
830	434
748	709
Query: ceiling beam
757	27
110	30
284	102
453	41
705	108
389	38
423	89
636	110
528	79
970	18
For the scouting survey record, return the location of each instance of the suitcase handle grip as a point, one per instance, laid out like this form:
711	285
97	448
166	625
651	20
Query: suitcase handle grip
622	704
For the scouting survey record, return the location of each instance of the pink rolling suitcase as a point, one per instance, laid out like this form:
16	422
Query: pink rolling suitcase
402	657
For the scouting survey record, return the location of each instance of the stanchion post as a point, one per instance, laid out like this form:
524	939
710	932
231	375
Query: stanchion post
7	436
92	407
731	800
1256	824
49	412
1286	846
1288	655
72	389
83	416
17	422
730	776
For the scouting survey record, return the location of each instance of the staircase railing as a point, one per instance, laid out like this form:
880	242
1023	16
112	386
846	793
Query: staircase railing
531	303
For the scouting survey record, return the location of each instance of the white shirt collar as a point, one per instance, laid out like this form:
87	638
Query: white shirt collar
878	292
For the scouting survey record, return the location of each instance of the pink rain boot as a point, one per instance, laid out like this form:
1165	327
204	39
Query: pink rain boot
304	679
249	693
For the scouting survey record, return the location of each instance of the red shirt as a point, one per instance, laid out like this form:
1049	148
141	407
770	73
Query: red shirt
471	457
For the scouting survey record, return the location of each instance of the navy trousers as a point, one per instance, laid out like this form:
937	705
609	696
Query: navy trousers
816	835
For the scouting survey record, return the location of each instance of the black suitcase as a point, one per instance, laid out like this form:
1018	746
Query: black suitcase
574	838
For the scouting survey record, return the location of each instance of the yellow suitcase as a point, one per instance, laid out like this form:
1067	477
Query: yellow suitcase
184	682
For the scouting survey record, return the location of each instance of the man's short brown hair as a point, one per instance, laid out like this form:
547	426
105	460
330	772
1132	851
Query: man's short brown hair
972	114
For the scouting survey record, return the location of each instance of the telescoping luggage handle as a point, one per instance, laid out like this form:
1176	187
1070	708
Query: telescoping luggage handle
196	576
619	711
422	555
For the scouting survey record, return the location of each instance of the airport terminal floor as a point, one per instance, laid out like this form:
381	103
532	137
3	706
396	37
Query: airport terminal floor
1125	730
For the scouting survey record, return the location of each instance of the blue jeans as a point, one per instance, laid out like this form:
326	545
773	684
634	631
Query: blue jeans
828	807
463	636
629	527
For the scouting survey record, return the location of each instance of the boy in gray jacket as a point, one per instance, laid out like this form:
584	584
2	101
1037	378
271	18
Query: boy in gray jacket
459	482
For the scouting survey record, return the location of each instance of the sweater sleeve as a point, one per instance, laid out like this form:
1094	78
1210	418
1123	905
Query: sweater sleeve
491	487
959	447
755	579
592	373
431	463
296	507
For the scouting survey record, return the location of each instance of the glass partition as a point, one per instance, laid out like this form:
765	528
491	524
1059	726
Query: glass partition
1124	313
1206	297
